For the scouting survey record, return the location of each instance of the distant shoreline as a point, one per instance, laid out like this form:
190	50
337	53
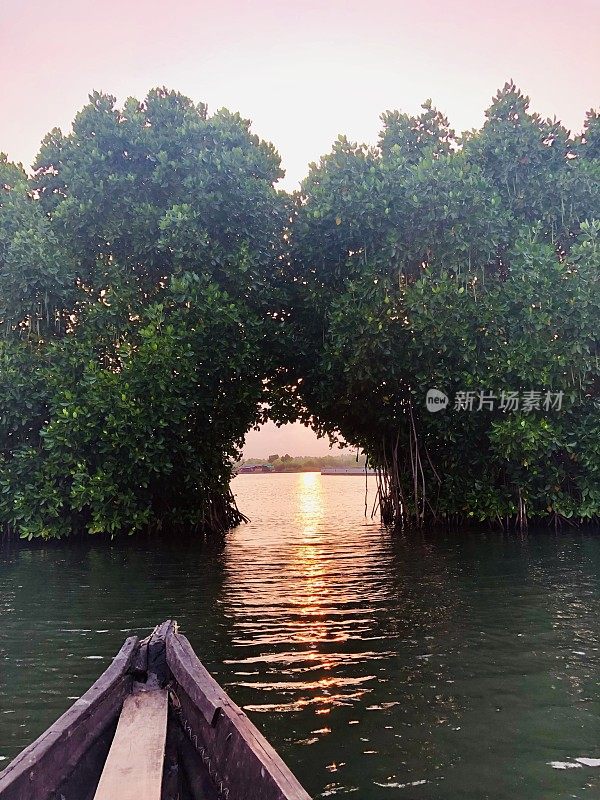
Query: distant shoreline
324	471
342	465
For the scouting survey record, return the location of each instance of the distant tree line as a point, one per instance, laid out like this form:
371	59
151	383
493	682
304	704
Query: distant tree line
158	293
288	463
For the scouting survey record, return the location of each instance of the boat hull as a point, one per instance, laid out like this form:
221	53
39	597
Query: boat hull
212	749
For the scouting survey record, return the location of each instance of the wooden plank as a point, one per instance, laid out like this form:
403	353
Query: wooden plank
244	761
49	760
134	766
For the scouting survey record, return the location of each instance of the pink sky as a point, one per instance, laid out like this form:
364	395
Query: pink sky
302	71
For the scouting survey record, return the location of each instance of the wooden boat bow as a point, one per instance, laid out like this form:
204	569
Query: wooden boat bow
110	745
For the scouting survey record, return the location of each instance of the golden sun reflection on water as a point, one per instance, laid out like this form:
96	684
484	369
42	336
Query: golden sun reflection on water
310	501
315	593
308	556
301	601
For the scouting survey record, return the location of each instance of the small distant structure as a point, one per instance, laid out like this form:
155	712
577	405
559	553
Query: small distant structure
252	469
347	471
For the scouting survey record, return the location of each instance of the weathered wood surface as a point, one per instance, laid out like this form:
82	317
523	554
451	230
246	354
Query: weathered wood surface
194	780
47	762
134	766
81	783
192	675
241	758
171	782
157	659
139	664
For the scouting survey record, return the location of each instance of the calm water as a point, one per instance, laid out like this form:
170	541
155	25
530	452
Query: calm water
446	667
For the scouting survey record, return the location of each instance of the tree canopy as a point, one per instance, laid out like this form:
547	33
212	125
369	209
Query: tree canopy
139	281
467	265
158	293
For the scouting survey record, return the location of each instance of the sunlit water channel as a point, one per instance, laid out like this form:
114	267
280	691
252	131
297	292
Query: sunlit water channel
431	667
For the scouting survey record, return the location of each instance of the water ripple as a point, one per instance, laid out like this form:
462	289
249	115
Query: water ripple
380	666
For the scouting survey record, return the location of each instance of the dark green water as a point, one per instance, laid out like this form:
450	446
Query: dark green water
448	667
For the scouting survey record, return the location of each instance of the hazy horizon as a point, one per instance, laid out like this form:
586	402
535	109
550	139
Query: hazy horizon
295	440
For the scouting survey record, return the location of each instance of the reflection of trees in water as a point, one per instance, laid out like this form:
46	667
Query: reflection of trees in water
506	667
66	611
566	602
364	656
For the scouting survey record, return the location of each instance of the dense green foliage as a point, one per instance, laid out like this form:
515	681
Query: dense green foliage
460	264
156	291
138	284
